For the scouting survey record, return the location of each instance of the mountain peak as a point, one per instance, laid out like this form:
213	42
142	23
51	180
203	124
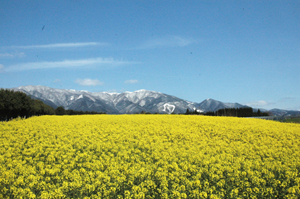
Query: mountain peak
214	105
211	100
141	90
111	93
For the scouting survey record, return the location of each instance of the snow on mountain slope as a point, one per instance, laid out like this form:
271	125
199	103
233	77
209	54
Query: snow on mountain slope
213	105
116	103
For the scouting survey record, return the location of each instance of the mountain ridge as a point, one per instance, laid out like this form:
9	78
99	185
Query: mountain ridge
122	103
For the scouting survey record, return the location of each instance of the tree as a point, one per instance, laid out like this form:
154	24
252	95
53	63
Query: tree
187	111
258	113
60	110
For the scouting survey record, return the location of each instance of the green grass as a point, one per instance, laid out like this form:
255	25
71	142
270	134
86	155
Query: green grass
292	120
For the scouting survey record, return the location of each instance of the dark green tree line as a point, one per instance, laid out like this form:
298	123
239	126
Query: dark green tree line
61	111
234	112
238	112
17	104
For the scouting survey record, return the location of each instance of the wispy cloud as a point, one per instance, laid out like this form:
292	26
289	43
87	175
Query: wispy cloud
63	45
131	81
88	82
12	55
168	41
259	103
92	62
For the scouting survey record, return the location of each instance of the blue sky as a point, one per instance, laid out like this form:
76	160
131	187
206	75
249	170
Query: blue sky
239	51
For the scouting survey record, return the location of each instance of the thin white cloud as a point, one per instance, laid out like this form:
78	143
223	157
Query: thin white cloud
88	82
92	62
259	103
169	41
12	55
131	81
64	45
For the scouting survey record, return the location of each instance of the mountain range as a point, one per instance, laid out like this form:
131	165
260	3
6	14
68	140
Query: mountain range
123	103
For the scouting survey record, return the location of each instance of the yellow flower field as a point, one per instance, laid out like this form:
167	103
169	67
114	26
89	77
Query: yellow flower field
149	156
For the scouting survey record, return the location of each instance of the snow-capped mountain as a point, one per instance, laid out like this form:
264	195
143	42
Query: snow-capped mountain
114	103
128	102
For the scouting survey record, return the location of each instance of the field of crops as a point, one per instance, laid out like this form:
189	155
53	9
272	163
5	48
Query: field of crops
149	156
